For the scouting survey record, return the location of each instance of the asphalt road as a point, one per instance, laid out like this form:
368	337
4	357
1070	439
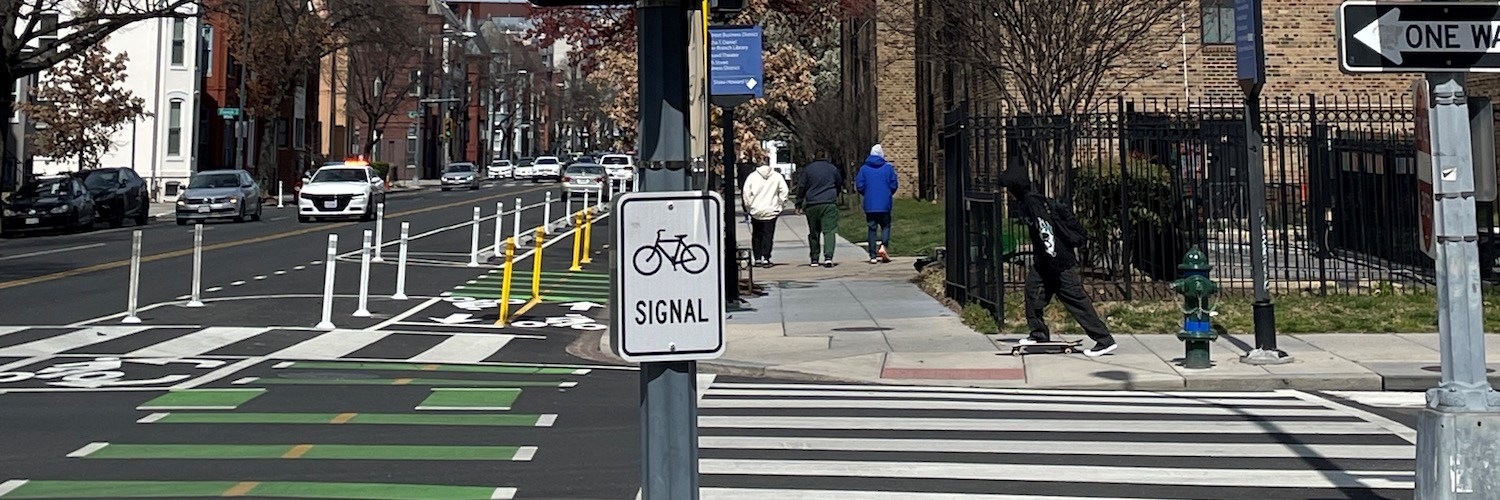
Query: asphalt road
430	398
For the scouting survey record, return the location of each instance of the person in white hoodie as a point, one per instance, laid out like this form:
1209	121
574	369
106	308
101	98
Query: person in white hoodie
764	195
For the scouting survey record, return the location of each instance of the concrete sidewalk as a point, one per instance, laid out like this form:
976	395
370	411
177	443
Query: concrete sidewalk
869	323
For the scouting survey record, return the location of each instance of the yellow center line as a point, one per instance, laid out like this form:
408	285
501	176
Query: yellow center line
430	368
241	489
401	381
220	246
342	418
297	451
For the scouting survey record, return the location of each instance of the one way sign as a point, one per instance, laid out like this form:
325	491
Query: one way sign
1376	37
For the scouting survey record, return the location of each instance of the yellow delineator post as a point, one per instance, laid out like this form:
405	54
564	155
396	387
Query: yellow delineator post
536	267
577	240
588	234
510	260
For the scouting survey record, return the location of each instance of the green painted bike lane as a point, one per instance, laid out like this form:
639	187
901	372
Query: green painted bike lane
269	489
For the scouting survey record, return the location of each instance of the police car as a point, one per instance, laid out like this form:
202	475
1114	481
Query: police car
341	190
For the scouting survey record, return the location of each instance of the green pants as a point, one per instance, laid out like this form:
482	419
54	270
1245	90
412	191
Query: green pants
822	224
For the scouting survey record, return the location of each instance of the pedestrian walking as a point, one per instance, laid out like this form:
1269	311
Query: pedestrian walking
876	183
817	196
764	195
1055	234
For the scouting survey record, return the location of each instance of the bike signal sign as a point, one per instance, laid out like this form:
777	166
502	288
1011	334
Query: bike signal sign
668	277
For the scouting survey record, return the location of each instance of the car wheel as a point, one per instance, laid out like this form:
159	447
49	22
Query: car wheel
304	219
258	209
445	190
182	222
244	216
144	217
118	220
474	187
369	214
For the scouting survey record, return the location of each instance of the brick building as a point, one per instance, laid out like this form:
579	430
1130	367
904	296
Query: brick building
1194	60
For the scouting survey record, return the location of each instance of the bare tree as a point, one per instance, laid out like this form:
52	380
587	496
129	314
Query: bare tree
83	103
383	79
38	34
1045	57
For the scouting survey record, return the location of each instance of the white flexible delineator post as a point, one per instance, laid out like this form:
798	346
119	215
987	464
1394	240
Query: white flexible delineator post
515	224
474	240
333	249
499	225
401	263
379	231
135	279
547	215
197	300
364	278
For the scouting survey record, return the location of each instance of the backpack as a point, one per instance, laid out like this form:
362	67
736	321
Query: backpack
1066	224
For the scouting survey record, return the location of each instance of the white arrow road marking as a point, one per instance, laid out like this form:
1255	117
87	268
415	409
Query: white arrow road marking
455	319
202	363
1391	36
95	383
581	306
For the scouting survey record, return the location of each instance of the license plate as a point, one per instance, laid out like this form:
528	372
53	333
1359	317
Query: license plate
33	220
585	181
202	210
330	204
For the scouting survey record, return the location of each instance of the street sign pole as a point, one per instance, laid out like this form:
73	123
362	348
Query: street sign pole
736	74
1455	450
1446	40
1250	67
669	400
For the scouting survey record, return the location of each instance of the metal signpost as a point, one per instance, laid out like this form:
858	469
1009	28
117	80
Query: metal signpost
1250	68
736	74
1455	450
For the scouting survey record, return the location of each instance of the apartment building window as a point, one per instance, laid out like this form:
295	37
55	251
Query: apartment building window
208	50
179	41
299	131
1218	22
174	128
416	83
281	139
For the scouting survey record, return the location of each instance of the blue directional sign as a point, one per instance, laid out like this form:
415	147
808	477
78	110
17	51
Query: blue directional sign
735	63
1250	59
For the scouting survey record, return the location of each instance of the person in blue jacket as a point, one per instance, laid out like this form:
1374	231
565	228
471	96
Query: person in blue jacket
876	181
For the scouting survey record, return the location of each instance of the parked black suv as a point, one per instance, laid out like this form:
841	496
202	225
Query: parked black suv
118	194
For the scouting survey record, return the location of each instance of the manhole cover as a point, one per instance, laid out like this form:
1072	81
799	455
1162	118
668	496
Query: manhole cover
861	329
1439	369
328	375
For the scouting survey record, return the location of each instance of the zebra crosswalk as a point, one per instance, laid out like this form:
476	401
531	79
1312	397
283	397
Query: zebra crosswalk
801	441
252	342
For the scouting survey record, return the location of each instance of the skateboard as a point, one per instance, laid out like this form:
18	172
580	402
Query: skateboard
1066	347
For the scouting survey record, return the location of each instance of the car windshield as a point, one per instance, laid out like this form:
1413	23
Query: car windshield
44	188
546	161
524	162
339	175
616	160
101	179
459	168
210	181
586	170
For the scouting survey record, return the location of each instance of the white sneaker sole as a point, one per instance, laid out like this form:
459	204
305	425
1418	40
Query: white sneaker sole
1094	354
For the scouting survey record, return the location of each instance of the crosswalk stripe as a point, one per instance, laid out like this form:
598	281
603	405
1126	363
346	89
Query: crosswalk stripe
1114	448
982	390
6	330
331	345
72	340
1155	400
789	494
1035	425
464	349
902	404
197	343
1244	478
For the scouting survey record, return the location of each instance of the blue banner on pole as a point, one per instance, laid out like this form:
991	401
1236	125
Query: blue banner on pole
735	62
1250	62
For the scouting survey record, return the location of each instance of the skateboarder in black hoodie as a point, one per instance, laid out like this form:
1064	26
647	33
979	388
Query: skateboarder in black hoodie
1055	233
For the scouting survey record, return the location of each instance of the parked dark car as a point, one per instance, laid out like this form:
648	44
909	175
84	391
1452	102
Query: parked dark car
52	203
118	194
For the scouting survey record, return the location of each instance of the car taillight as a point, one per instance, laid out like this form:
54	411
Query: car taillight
567	179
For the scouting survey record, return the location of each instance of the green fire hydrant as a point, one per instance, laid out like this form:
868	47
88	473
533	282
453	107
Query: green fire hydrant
1197	290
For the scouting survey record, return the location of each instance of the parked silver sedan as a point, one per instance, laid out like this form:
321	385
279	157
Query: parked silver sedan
460	175
220	194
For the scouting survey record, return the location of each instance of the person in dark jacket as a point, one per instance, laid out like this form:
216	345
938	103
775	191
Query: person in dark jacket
1055	234
817	196
876	182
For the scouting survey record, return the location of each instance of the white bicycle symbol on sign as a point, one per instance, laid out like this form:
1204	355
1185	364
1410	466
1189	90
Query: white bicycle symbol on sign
689	257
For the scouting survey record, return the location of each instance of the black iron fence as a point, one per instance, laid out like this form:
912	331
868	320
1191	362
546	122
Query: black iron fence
1151	178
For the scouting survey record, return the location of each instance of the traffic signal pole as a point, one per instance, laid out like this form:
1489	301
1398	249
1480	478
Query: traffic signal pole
669	400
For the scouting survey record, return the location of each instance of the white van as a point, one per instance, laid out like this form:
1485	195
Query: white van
780	158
